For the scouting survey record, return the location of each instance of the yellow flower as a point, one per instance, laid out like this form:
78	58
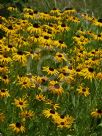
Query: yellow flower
55	11
62	27
3	69
63	121
26	82
40	97
41	80
68	11
21	103
98	22
5	59
55	87
59	44
20	57
5	79
50	71
34	28
97	113
4	93
49	113
60	57
27	114
88	73
17	127
84	91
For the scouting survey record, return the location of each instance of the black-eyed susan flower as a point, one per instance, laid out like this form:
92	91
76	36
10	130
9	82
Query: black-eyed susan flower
55	11
5	59
26	82
66	74
68	11
34	28
27	114
50	70
21	103
83	90
55	87
20	57
63	121
4	93
97	113
41	80
60	57
63	27
98	22
88	73
4	69
5	79
49	113
17	127
59	44
40	97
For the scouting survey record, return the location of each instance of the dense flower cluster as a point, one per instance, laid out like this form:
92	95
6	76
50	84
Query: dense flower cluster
50	66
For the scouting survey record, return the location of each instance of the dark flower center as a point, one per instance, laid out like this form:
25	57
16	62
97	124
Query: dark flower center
63	25
35	12
18	125
21	103
10	46
50	25
99	111
4	77
36	36
91	70
60	41
54	9
36	25
46	37
24	83
57	86
2	90
59	55
10	27
1	36
62	116
5	56
68	8
65	74
51	69
100	20
62	123
78	36
78	70
31	13
99	35
84	90
43	80
93	52
1	66
52	111
20	53
27	115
